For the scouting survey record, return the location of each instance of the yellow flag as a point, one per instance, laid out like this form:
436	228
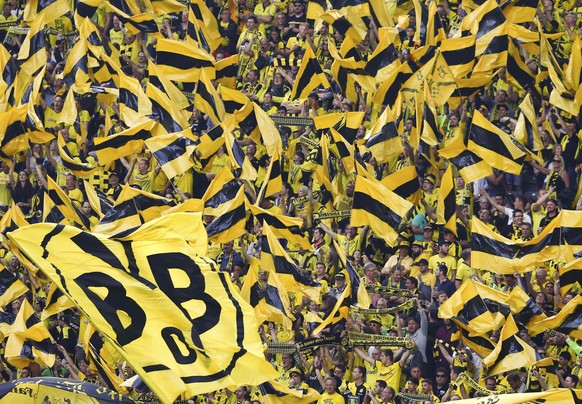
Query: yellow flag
133	293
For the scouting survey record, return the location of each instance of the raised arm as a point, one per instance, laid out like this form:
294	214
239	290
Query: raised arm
364	355
330	232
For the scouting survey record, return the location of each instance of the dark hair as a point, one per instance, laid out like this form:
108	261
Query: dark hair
574	378
443	268
340	367
388	353
513	377
362	370
413	380
566	355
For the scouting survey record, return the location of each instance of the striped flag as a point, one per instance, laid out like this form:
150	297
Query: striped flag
381	209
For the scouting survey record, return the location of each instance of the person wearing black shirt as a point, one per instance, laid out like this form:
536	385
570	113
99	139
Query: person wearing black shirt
356	391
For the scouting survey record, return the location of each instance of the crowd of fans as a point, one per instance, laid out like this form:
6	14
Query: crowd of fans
428	264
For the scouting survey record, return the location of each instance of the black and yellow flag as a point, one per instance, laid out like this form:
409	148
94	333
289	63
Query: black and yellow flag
270	136
383	139
135	16
527	132
388	90
8	73
470	165
343	150
98	200
348	124
358	295
404	183
207	100
494	145
569	270
275	258
238	158
459	54
267	295
568	320
491	250
273	392
353	294
523	307
165	112
380	208
76	70
429	28
173	152
547	368
348	21
64	204
430	133
487	22
51	213
99	357
482	345
181	61
381	61
309	77
135	295
573	72
213	139
29	340
85	9
511	352
75	167
446	211
56	302
46	11
13	218
122	144
273	182
32	51
12	133
227	70
314	10
230	224
518	74
202	26
284	227
10	287
133	102
160	81
468	306
132	208
520	11
222	189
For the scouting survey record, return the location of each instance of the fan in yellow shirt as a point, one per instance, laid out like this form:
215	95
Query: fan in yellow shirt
388	370
144	177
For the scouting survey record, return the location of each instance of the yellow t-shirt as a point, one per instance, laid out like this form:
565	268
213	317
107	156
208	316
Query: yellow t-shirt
353	244
390	374
334	398
144	181
449	261
5	193
76	196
